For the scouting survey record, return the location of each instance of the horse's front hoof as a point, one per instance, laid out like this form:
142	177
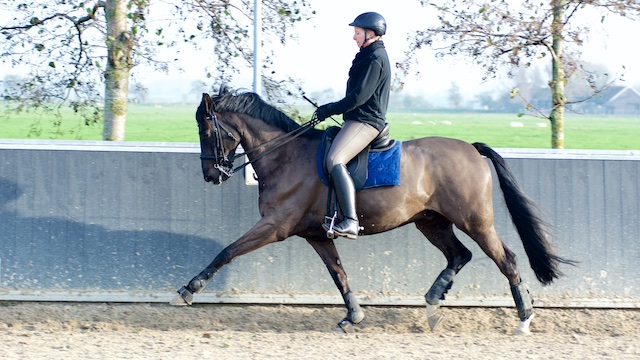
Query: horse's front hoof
178	301
434	321
345	327
434	316
184	297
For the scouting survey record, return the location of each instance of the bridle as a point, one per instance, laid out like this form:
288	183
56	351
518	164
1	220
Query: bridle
224	164
219	156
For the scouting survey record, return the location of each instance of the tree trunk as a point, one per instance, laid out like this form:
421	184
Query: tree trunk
119	64
558	80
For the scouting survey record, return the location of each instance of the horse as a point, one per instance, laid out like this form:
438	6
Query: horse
445	182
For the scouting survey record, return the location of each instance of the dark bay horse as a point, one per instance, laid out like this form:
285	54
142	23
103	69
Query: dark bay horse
444	183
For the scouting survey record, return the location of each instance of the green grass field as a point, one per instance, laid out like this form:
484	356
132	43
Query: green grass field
176	123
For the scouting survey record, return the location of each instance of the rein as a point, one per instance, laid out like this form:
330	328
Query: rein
225	165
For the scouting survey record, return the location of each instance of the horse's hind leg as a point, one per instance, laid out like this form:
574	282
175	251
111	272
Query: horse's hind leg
505	259
439	231
329	255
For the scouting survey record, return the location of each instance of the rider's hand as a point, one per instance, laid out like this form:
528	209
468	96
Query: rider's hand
324	111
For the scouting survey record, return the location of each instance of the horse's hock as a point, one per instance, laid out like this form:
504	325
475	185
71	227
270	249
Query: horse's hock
99	221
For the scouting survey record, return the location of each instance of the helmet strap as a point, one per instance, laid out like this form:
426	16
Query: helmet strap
366	39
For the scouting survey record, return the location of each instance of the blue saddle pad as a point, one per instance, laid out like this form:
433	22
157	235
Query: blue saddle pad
383	167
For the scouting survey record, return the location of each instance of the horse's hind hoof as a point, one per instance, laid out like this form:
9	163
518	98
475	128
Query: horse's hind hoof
523	327
345	327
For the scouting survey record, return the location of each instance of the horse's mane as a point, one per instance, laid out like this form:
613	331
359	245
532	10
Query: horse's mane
251	104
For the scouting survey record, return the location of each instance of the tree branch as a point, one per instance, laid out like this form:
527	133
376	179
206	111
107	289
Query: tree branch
34	22
92	13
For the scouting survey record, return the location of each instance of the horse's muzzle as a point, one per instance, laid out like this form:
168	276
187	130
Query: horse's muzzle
216	176
215	179
212	175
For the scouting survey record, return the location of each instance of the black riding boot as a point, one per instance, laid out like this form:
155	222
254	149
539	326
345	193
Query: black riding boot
346	196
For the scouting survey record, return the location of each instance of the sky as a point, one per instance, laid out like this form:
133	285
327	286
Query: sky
323	53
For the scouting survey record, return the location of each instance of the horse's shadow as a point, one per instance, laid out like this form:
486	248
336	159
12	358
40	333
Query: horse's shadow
58	254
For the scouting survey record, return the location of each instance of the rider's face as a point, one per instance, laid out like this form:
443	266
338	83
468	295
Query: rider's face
358	35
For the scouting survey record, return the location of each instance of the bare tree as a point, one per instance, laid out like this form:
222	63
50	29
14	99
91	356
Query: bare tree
198	87
138	92
80	53
502	33
455	97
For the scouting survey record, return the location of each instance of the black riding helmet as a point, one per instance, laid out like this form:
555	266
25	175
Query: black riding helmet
371	20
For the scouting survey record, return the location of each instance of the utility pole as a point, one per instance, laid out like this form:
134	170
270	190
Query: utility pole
250	177
257	30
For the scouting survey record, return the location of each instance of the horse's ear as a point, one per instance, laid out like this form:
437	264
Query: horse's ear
209	106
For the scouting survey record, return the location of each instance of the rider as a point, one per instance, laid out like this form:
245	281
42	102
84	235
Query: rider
364	108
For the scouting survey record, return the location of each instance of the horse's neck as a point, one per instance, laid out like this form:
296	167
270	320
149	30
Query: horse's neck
256	133
258	136
263	137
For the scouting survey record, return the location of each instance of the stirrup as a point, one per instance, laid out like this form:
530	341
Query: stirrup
333	233
329	222
329	227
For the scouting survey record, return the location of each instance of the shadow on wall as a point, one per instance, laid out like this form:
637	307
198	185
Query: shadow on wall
48	253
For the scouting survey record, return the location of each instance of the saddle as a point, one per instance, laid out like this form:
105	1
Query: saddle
385	160
358	166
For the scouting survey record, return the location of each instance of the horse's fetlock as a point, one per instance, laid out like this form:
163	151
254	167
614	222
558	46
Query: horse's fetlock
197	285
355	315
523	300
354	312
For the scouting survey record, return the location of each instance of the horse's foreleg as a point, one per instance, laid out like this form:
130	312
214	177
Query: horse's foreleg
440	232
327	251
261	234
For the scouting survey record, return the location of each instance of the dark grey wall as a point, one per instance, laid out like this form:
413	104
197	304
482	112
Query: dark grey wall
134	222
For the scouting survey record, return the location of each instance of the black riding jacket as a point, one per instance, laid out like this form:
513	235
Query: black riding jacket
367	95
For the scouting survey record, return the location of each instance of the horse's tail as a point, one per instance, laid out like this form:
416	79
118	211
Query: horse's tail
530	227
